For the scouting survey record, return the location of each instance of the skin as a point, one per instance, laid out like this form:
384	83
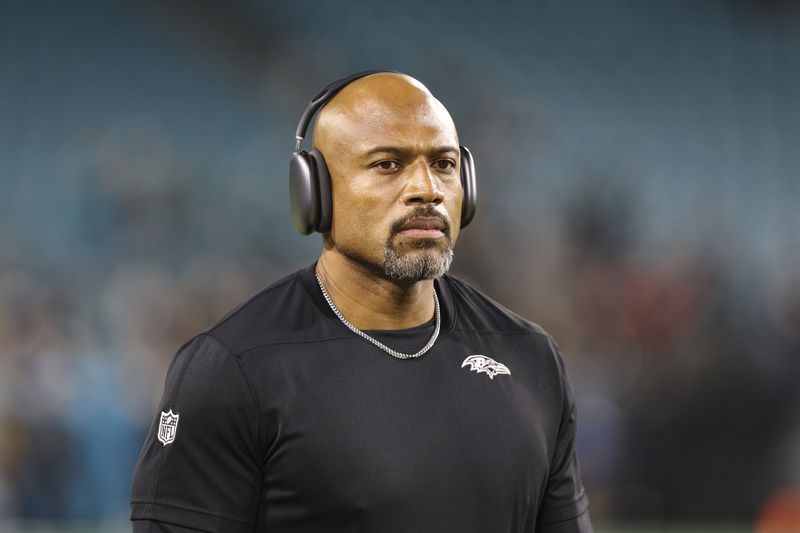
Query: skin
392	150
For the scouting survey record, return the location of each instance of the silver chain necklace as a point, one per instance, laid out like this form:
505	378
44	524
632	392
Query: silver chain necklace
376	342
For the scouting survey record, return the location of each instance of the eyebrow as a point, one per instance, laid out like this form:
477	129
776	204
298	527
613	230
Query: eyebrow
401	151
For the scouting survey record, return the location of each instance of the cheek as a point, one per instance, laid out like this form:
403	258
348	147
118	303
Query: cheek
454	211
360	212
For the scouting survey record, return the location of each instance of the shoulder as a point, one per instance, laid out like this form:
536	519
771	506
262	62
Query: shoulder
478	312
283	312
200	368
481	316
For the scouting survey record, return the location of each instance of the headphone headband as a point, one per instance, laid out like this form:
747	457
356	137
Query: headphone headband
322	98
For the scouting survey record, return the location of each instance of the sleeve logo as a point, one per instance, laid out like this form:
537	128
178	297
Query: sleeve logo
487	365
167	427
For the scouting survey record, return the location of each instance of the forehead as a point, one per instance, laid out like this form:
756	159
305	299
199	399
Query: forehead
393	126
398	116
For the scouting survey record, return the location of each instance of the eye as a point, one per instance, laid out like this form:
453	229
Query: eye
445	164
387	166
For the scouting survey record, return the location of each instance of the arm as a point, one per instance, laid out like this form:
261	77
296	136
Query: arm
200	466
565	507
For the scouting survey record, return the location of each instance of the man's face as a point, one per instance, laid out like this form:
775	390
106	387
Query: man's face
395	170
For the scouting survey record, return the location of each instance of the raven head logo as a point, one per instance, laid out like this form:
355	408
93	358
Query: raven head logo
487	365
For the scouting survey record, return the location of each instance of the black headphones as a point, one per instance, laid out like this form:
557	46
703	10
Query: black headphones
310	182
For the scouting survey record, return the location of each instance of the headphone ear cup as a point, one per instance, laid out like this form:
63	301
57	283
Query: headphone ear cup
303	193
325	195
469	201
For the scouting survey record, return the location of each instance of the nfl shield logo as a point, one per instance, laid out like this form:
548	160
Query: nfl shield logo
167	427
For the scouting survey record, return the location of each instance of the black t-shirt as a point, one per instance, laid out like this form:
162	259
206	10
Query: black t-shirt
279	419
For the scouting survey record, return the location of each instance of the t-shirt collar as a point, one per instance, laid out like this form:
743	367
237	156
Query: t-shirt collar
308	279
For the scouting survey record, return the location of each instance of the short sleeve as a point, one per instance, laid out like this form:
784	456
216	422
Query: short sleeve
200	465
565	507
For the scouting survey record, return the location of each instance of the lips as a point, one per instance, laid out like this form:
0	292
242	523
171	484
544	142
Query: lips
424	223
424	228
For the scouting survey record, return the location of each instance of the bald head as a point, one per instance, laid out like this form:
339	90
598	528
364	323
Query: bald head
380	108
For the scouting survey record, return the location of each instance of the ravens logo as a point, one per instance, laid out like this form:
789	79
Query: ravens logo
487	365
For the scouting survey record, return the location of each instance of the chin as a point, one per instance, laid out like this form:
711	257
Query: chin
425	262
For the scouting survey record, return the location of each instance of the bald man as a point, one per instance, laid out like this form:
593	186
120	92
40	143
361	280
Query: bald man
370	391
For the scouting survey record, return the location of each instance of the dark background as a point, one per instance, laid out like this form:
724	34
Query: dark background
638	191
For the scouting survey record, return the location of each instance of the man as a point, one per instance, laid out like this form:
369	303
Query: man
369	391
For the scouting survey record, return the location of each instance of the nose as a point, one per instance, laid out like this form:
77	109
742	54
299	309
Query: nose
422	186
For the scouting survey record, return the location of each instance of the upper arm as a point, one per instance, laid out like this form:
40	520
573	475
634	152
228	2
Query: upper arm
565	506
208	474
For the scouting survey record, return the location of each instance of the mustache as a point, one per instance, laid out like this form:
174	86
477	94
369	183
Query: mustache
427	212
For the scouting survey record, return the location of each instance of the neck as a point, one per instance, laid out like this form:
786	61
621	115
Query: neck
369	300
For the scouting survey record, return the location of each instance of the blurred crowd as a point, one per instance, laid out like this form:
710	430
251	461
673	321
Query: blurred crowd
128	227
84	355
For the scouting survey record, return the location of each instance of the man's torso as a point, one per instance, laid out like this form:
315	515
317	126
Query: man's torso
346	437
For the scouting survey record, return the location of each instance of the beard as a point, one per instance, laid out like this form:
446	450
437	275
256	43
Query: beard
414	260
425	262
427	259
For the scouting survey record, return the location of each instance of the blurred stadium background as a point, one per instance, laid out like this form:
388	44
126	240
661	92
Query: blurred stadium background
638	196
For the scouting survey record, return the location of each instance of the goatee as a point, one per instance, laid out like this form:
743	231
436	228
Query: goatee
427	260
417	266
